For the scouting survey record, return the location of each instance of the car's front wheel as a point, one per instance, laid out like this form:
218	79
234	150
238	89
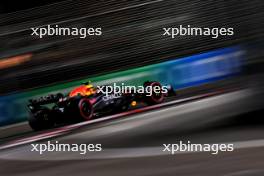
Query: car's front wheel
154	93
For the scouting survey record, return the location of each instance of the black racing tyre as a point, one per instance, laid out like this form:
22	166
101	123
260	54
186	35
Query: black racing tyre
85	108
154	98
40	120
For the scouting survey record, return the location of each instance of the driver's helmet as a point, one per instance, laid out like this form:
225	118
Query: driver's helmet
89	89
84	90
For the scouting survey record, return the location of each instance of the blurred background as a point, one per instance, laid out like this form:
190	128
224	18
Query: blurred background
132	49
132	37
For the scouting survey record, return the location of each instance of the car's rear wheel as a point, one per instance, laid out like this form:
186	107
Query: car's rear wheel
85	109
41	120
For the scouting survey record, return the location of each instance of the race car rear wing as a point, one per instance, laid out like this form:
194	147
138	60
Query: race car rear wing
51	98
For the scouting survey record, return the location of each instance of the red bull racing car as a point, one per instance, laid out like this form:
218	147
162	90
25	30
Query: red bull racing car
87	102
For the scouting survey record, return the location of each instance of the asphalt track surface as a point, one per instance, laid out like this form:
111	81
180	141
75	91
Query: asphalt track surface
133	145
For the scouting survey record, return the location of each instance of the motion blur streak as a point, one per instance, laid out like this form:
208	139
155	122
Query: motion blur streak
13	61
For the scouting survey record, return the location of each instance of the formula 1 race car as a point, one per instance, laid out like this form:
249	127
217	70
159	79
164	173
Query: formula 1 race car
86	102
